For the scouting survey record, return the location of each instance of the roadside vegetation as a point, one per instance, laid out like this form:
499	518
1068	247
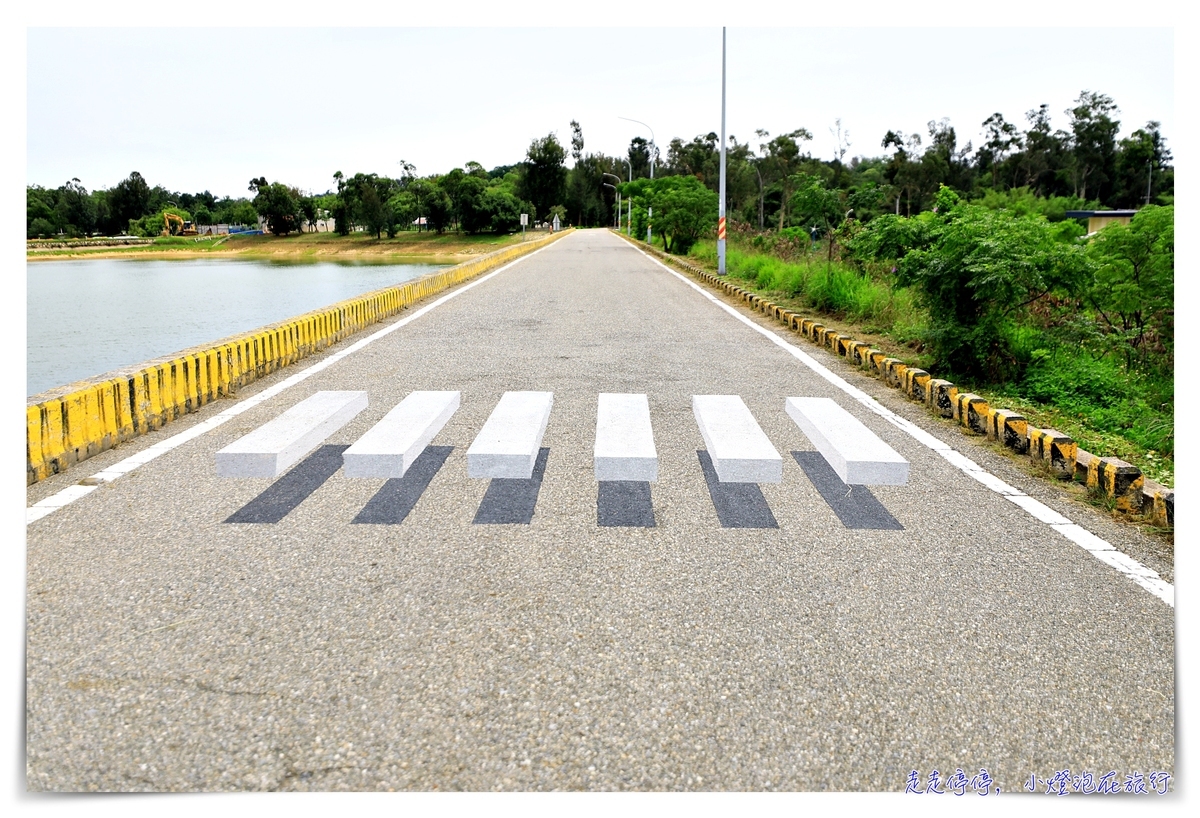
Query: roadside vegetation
1076	334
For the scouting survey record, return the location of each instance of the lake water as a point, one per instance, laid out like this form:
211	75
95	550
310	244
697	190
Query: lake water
86	317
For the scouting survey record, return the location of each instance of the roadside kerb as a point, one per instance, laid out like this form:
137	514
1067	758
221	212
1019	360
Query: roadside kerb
1121	482
77	421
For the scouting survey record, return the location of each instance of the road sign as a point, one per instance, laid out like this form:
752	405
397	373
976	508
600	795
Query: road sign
524	219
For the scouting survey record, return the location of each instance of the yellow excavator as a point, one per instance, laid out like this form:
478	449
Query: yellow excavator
176	226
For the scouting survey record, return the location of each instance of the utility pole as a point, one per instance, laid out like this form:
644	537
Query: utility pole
721	206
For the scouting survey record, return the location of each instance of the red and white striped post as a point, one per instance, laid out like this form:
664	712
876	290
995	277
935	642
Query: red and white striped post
721	204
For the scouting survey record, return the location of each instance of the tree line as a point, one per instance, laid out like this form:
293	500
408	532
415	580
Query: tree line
772	182
128	207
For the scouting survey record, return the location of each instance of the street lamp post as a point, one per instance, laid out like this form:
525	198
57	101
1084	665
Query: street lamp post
653	150
629	221
606	184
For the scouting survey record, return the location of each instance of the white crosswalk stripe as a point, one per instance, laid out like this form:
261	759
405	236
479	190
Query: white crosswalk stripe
740	451
856	453
624	439
392	444
508	443
272	448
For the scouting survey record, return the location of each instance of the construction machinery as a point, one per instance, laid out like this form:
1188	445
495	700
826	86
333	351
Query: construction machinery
175	226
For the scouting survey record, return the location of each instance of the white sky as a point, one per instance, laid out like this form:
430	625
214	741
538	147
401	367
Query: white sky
210	108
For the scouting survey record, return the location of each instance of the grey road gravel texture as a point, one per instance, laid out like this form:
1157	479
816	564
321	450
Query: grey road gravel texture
168	649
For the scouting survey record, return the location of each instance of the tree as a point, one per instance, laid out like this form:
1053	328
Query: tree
438	209
779	163
76	209
576	140
240	212
684	210
975	270
903	173
155	224
587	199
1093	144
39	212
544	176
343	209
819	206
129	200
473	212
278	204
366	196
1002	140
504	209
943	163
1133	291
700	158
1143	168
40	228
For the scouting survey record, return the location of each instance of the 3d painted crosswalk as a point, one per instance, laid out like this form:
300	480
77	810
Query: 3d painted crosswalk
394	443
269	450
507	446
508	452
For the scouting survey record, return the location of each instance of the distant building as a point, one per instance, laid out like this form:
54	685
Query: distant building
1099	219
221	229
319	226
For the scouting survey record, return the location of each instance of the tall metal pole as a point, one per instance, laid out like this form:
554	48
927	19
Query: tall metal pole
650	209
653	150
721	207
629	221
618	178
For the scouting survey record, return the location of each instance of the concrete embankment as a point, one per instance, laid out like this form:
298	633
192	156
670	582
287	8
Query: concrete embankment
74	422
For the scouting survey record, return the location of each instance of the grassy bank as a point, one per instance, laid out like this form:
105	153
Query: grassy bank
1108	411
405	247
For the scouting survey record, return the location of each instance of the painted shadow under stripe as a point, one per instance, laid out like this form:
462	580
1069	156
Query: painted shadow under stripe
292	489
399	495
511	500
624	503
855	506
738	505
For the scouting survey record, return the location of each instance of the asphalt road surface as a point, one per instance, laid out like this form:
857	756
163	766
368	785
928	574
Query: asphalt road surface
314	631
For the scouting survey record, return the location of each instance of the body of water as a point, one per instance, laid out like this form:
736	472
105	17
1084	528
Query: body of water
86	317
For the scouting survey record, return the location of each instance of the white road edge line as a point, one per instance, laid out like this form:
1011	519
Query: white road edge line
70	494
1094	545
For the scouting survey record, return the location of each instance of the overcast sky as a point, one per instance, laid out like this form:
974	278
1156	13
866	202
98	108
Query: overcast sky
210	108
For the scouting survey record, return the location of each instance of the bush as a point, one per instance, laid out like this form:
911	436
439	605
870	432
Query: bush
40	229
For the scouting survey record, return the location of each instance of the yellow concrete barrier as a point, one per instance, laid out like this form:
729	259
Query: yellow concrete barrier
75	422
